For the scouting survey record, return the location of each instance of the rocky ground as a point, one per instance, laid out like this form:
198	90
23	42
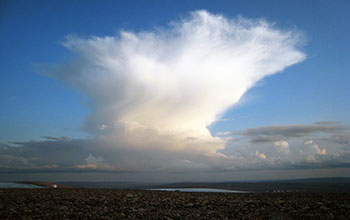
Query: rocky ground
142	204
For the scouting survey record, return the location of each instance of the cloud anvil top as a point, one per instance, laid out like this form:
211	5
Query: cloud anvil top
171	83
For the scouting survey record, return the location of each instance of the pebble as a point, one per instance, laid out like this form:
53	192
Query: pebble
137	204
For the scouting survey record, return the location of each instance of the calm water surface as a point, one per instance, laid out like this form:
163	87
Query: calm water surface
199	190
19	185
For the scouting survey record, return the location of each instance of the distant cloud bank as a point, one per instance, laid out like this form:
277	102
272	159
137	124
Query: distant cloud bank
318	148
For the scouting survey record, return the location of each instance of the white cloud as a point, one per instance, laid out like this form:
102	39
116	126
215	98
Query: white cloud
318	150
310	158
309	142
228	138
223	133
154	93
91	159
155	89
102	127
260	155
315	147
282	146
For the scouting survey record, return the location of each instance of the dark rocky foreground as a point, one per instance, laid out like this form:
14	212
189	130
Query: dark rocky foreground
141	204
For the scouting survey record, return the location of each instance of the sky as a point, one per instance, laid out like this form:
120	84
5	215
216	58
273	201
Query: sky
174	90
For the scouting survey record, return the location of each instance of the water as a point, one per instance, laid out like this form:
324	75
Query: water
19	185
198	190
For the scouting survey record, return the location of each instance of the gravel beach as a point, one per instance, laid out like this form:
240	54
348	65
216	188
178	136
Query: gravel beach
144	204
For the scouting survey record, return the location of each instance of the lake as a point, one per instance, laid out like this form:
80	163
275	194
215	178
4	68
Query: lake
19	185
199	190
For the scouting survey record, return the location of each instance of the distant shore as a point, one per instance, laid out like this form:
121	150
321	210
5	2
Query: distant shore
145	204
316	185
45	184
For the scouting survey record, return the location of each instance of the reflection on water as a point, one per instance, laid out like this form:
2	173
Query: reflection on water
199	190
19	185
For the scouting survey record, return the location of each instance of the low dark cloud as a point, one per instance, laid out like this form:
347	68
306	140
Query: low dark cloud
44	154
276	132
55	138
94	155
264	139
277	147
343	139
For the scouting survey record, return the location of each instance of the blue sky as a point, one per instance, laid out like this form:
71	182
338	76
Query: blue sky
34	105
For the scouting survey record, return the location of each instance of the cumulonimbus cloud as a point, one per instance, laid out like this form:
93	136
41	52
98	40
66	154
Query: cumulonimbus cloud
162	88
154	93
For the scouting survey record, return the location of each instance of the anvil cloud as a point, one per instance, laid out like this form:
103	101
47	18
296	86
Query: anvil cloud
162	88
154	93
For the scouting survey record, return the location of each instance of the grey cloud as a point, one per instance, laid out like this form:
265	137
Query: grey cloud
264	139
69	156
20	143
244	153
343	139
273	132
256	148
328	122
55	138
